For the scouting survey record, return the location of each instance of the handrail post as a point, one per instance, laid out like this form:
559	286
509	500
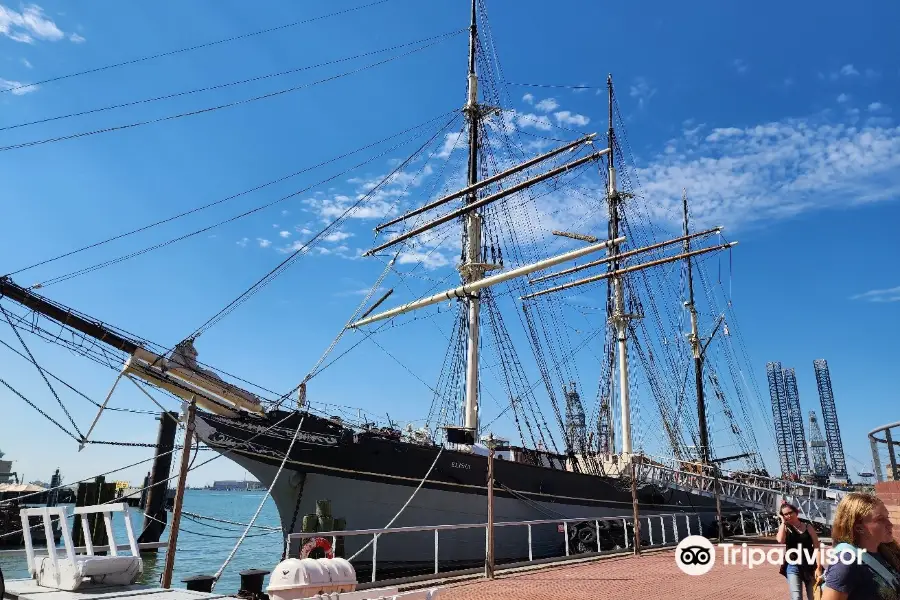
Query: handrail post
436	551
625	523
530	554
374	554
662	528
566	535
597	531
650	530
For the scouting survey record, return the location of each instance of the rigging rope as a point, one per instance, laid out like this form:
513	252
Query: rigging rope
232	197
259	508
402	508
210	109
229	84
41	371
196	47
271	275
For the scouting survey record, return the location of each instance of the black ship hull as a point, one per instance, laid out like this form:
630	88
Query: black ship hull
368	477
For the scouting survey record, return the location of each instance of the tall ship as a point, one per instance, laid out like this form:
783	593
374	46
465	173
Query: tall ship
578	462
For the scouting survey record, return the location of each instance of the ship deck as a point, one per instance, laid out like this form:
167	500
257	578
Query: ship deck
630	577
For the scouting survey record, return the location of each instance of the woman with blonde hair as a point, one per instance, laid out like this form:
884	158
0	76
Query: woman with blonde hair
861	522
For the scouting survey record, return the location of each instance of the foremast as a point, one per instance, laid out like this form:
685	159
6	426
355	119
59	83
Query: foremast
619	317
472	268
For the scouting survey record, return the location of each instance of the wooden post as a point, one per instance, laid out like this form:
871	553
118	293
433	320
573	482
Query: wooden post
715	469
634	503
489	558
179	496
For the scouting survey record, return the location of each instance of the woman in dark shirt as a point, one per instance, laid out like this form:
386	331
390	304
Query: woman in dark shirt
861	520
802	539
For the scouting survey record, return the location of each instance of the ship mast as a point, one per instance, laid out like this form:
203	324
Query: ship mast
619	318
471	269
694	339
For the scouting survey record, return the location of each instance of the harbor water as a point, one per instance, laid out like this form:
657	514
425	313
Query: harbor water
203	545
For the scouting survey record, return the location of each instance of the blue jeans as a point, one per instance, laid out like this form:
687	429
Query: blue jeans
797	583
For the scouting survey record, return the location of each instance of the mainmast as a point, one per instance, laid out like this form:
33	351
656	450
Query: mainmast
695	342
619	318
471	269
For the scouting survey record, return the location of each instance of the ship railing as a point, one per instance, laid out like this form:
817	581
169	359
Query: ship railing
811	500
689	523
795	488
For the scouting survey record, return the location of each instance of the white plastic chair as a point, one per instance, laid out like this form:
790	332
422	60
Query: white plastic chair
70	573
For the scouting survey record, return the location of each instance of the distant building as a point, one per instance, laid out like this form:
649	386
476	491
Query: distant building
232	485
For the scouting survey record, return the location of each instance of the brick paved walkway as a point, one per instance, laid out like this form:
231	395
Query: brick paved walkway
628	578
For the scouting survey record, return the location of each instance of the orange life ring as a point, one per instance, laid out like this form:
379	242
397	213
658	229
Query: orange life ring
317	542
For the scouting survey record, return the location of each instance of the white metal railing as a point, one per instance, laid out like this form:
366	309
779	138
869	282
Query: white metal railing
761	524
795	488
764	493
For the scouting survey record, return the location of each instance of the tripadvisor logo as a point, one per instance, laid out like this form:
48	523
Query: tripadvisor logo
696	555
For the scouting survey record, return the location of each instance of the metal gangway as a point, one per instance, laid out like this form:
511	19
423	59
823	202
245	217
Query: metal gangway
753	492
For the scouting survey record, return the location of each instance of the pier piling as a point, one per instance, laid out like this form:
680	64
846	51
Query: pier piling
155	502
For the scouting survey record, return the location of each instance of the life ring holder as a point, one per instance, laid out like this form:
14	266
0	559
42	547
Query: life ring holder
317	542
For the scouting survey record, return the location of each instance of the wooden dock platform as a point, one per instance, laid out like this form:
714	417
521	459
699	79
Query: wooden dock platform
652	575
27	589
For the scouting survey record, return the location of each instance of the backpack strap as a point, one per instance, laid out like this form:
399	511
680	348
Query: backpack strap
870	561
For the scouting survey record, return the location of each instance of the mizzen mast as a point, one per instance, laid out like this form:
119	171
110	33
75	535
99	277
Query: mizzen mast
694	339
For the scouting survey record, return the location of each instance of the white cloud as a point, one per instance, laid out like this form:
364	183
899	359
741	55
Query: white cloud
18	88
739	65
430	260
284	234
26	63
451	143
876	106
739	176
541	122
887	295
565	117
77	38
362	292
337	236
243	242
872	73
547	105
528	98
848	71
580	89
263	243
642	90
843	98
27	25
285	213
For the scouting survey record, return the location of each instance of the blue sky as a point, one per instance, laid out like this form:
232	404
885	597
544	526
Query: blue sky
782	129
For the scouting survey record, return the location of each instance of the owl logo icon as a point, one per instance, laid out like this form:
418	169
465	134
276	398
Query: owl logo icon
695	555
